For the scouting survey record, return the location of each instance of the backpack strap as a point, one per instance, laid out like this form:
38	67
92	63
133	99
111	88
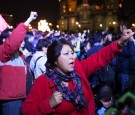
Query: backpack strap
36	61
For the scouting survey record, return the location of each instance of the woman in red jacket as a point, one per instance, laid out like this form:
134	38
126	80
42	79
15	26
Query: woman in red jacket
65	90
12	71
11	44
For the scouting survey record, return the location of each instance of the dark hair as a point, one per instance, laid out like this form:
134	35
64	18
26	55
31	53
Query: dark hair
104	93
42	43
54	51
5	34
82	50
97	37
28	35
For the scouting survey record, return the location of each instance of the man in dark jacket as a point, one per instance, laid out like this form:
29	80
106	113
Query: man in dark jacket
107	74
126	63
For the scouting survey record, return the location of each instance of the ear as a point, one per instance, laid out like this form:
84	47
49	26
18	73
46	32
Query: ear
43	48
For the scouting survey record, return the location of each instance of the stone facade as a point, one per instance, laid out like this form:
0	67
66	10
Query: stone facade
88	15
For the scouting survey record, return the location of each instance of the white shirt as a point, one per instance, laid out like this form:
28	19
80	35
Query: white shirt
40	67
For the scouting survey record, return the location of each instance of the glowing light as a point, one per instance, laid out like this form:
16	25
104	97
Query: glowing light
50	24
29	27
43	26
77	23
10	27
110	23
120	5
11	15
133	25
101	25
57	26
114	23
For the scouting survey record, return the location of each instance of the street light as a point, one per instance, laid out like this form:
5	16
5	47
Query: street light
50	24
133	25
79	25
113	22
101	25
57	26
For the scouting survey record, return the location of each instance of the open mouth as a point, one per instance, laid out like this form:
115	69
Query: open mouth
71	63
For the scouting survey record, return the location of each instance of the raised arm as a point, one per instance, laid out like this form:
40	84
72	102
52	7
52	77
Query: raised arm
13	42
105	55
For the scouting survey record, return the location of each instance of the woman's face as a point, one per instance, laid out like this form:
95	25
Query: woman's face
65	62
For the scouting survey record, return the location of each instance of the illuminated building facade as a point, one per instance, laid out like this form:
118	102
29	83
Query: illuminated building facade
68	15
89	15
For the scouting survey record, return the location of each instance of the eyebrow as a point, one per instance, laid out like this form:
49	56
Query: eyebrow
67	51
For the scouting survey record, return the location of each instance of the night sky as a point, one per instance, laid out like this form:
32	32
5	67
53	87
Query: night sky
47	9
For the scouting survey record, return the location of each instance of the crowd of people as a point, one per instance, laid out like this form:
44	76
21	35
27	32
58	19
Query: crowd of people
61	73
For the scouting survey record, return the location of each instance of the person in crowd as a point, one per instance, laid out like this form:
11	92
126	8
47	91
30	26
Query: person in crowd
108	39
7	32
13	42
104	96
35	33
13	70
26	46
98	39
38	61
64	89
126	63
28	49
29	38
84	47
75	41
107	74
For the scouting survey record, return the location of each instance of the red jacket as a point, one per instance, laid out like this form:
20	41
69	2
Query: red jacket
37	102
12	71
10	46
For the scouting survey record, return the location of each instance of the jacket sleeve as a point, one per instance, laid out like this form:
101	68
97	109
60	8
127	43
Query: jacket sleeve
13	42
37	102
99	59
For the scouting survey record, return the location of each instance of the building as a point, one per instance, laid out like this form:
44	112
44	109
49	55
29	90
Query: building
68	15
89	15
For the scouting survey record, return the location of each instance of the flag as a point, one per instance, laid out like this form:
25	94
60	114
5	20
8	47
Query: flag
3	24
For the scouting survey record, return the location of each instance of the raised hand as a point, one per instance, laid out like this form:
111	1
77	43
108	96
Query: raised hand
126	35
33	16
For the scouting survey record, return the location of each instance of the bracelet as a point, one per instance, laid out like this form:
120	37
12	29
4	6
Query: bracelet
119	44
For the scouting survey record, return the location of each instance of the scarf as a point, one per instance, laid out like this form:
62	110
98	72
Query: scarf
76	97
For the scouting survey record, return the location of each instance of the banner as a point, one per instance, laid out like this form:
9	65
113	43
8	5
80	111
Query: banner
3	24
